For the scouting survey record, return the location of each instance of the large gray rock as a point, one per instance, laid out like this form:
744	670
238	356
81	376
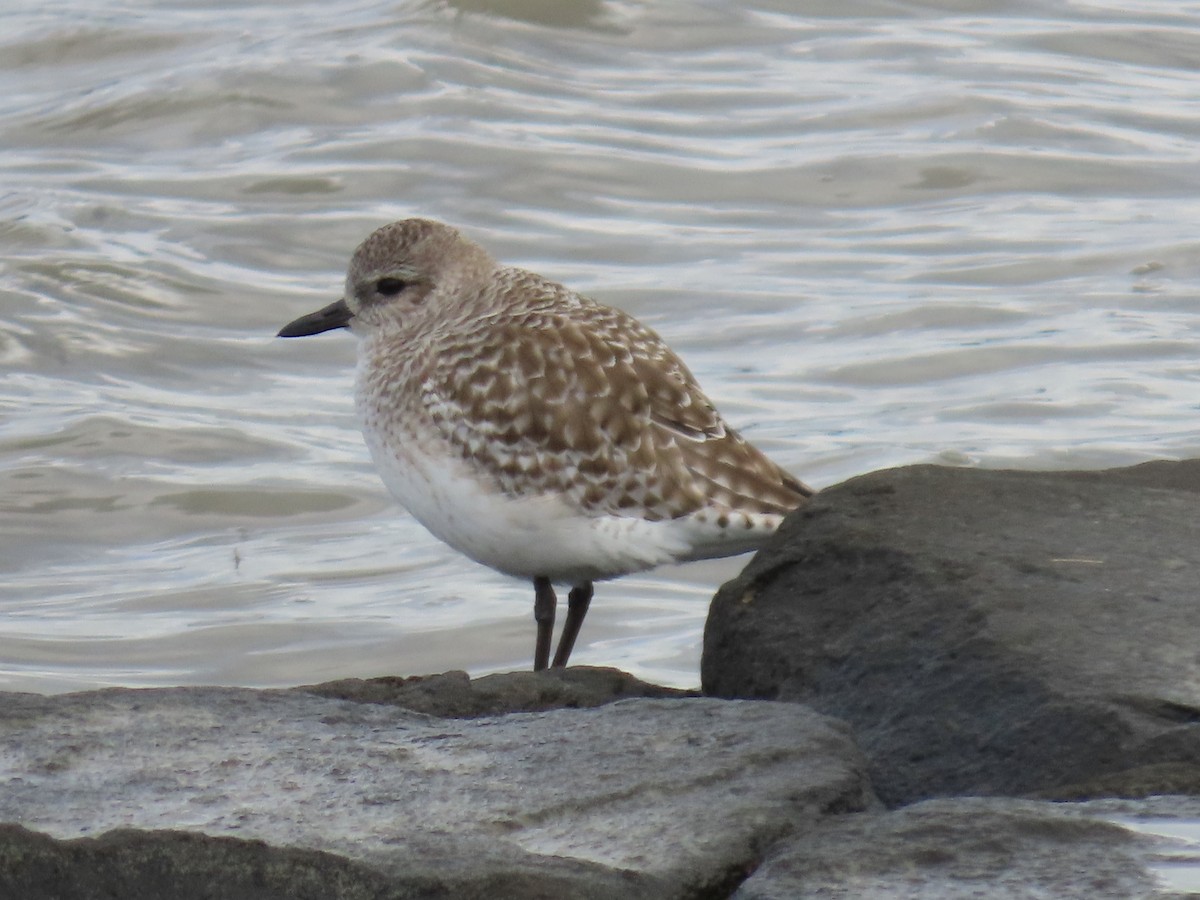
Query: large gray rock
970	848
985	632
641	798
157	865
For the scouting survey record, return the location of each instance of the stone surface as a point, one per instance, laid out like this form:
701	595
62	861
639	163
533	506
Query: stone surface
655	798
138	865
975	847
456	695
175	865
984	632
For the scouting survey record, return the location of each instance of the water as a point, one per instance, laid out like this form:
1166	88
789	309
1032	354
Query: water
879	232
1177	867
1171	822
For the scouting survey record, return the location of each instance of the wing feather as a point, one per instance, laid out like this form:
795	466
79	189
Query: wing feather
570	397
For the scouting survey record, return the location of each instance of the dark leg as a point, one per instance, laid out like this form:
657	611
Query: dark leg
577	606
544	602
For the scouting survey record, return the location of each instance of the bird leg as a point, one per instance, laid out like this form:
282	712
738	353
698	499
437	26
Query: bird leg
577	606
544	602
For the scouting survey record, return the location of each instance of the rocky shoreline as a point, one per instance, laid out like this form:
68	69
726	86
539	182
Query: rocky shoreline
934	682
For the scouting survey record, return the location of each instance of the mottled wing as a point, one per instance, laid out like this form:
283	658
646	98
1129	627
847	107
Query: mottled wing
730	471
561	395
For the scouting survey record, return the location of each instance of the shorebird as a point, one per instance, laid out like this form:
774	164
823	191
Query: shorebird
537	431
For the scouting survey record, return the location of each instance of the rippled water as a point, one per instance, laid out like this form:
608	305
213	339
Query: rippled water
879	232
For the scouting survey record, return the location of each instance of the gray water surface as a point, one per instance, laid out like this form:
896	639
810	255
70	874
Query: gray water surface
879	233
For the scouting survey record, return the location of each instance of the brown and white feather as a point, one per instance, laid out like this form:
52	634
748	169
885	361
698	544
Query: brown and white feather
537	392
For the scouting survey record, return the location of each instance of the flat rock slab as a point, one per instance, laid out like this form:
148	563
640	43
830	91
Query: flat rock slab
985	632
654	798
457	695
974	847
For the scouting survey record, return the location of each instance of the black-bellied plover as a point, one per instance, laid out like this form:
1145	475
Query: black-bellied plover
537	431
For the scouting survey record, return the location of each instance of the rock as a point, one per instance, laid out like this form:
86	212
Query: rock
963	848
641	798
985	632
139	865
1137	781
456	695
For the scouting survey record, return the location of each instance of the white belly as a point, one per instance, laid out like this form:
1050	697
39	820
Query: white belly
524	537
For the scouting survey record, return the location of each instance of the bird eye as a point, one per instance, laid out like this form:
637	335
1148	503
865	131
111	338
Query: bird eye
390	287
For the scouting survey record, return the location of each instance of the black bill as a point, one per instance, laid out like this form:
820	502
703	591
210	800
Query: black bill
335	315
